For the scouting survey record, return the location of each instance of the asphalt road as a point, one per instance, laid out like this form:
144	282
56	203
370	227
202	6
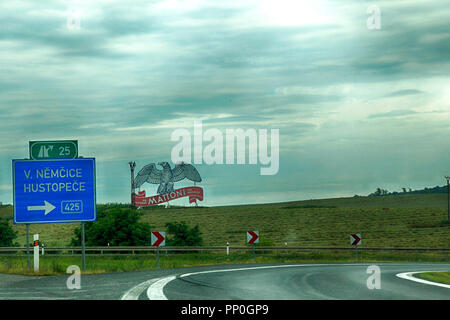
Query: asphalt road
235	282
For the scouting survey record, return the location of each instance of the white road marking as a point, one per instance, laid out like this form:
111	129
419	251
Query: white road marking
408	276
135	292
155	290
241	269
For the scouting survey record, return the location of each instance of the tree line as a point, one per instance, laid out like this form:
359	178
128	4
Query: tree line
118	226
426	190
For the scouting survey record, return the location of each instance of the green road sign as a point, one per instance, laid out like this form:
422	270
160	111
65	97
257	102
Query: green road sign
63	149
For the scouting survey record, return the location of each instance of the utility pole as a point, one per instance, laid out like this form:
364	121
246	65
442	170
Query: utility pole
132	166
448	197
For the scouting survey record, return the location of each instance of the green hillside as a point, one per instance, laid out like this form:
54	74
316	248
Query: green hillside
388	221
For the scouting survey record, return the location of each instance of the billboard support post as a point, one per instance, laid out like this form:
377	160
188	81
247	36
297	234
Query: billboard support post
133	189
448	197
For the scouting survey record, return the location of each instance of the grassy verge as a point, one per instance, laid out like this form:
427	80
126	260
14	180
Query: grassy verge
441	277
57	265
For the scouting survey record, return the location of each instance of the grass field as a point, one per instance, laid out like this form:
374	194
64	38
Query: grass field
441	277
390	221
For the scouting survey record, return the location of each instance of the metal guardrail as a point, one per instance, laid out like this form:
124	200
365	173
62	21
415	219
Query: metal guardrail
133	250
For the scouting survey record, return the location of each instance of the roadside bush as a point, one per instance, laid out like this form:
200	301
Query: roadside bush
182	235
7	235
116	227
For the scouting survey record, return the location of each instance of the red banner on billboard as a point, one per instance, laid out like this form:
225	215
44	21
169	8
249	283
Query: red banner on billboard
194	194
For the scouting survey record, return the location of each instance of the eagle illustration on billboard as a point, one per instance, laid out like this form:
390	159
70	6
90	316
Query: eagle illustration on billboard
167	176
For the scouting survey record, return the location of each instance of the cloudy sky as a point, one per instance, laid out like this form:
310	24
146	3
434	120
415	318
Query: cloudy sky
356	108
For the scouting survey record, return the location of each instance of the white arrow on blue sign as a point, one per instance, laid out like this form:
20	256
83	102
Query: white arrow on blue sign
54	190
47	207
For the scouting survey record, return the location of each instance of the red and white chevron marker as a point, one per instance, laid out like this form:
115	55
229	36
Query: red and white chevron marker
355	239
158	239
252	237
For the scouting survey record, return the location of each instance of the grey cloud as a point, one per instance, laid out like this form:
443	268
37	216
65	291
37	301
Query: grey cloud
392	114
401	93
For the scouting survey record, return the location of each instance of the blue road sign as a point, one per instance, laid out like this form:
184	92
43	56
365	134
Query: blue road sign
58	190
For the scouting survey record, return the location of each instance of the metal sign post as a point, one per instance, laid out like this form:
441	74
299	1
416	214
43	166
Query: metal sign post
83	248
28	245
158	239
157	257
252	238
253	252
355	240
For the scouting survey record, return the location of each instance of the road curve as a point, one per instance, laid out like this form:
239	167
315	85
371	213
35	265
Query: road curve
235	282
302	282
